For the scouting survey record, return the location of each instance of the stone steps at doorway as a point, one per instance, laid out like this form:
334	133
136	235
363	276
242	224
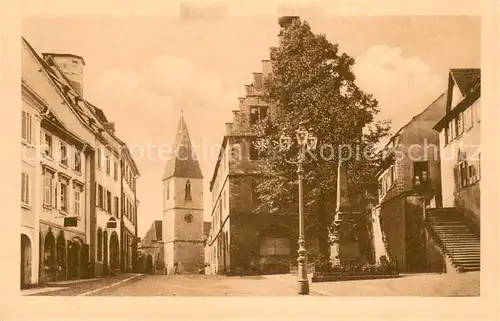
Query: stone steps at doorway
459	242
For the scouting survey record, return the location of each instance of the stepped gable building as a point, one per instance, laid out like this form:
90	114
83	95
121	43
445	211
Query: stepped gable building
72	183
183	236
240	240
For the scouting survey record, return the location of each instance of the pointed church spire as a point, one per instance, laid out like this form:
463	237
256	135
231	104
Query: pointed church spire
183	162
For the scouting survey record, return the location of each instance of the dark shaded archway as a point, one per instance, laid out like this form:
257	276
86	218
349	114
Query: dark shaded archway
61	257
49	258
75	248
149	264
114	251
105	253
25	261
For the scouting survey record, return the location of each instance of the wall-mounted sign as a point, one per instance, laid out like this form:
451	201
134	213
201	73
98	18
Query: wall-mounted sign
111	223
71	221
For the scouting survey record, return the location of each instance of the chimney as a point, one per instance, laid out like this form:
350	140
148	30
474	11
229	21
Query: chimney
72	67
229	128
257	80
110	127
266	68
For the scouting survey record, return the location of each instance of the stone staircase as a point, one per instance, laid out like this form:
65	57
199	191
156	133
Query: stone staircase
459	242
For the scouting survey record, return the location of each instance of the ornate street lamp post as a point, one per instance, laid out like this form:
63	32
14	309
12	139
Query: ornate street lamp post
306	141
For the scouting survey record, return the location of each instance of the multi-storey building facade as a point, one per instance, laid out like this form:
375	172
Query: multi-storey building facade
240	240
78	193
410	166
460	143
130	203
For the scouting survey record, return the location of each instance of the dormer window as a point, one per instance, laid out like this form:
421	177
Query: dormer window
187	195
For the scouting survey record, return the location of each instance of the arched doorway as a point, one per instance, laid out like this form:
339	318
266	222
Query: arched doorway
105	252
114	251
75	248
25	261
149	264
61	257
49	257
275	249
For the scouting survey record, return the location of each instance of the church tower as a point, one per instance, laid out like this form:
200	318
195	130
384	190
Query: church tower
183	207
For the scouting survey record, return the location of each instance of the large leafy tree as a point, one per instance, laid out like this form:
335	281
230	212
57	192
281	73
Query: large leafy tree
312	82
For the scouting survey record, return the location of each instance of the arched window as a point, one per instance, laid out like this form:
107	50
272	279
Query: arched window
187	195
99	245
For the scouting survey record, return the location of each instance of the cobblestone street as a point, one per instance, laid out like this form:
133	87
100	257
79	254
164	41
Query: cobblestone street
466	284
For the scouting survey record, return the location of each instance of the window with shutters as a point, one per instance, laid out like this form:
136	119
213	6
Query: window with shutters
115	171
26	129
47	148
108	165
63	153
117	206
99	158
77	201
48	188
63	194
109	201
460	123
100	197
77	161
25	188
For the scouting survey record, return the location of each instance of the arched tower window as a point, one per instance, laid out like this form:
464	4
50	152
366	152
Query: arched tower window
187	195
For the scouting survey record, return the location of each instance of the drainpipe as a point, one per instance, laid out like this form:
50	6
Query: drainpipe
134	243
122	198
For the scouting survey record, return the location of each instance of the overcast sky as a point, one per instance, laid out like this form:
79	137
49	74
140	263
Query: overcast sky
143	71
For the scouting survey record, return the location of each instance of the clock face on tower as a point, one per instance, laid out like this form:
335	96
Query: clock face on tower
188	218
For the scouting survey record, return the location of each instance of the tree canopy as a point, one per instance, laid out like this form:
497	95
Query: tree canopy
312	82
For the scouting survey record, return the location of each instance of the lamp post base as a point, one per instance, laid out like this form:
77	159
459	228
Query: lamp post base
303	287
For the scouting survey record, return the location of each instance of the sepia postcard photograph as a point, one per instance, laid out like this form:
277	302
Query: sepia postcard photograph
287	152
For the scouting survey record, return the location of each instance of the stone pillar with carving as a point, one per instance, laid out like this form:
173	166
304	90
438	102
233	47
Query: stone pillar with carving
344	241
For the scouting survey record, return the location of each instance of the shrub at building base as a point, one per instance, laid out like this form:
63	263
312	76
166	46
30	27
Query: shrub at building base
325	271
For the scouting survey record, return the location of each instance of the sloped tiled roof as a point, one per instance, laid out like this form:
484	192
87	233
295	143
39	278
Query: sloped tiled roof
466	79
183	162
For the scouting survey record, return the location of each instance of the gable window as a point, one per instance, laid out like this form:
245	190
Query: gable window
257	113
63	154
187	195
99	158
26	130
47	145
25	188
